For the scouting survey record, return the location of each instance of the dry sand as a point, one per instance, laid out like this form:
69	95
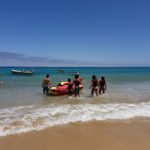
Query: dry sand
133	135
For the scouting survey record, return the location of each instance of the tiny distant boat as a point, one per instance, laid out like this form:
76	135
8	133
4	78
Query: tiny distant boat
61	71
22	72
61	89
73	73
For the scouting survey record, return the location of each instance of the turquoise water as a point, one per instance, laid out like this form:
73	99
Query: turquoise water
21	97
112	75
26	90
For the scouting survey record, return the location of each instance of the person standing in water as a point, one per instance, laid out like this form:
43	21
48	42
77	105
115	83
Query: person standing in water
77	83
70	88
102	85
94	85
46	84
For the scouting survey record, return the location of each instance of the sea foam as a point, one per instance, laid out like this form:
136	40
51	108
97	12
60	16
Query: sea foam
23	119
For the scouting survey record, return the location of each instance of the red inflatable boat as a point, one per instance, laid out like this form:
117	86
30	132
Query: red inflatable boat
61	89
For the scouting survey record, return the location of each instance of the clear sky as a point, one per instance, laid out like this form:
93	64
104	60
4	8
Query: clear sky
75	32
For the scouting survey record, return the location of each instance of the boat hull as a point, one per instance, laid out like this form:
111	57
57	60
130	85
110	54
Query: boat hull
18	72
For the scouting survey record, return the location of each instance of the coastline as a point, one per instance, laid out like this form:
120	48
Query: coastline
106	135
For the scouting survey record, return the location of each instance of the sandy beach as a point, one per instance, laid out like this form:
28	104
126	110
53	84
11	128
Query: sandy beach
94	135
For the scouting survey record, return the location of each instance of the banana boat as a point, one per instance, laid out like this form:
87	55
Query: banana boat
61	89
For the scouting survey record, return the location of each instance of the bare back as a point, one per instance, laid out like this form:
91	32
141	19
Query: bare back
46	82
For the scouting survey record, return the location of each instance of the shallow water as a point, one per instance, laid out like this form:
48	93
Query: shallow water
23	107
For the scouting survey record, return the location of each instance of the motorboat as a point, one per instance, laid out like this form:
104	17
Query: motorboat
22	72
60	71
73	73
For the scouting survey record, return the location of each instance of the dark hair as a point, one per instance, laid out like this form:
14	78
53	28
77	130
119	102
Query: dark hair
47	75
94	77
76	76
69	80
102	78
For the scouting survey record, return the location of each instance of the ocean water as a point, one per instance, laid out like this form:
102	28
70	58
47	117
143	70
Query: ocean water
24	108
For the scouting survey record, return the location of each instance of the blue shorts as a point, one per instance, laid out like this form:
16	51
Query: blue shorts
45	90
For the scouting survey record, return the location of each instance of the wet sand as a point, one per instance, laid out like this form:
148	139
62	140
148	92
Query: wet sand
127	135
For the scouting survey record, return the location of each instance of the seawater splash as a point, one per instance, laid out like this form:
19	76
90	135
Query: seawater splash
15	120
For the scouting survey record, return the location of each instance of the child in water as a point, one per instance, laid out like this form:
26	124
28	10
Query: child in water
94	85
70	87
102	85
77	83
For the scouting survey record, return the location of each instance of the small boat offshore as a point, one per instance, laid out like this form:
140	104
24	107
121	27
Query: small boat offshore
22	72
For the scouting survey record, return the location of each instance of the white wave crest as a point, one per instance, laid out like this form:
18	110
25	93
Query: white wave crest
21	119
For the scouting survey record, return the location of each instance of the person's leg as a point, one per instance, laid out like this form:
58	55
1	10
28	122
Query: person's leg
92	91
47	90
69	92
103	91
78	91
100	91
96	91
44	90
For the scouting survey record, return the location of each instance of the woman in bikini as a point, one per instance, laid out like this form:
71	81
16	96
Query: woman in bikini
94	85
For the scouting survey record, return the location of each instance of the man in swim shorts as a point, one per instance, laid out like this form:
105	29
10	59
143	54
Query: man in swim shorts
46	84
77	83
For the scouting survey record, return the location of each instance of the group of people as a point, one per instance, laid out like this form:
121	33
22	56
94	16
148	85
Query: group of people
97	87
77	81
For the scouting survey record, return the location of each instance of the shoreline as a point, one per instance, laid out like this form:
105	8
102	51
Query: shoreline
114	135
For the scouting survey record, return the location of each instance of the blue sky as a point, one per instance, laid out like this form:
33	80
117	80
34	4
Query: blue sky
75	32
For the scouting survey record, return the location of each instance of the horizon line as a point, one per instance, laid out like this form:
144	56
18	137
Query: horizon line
78	66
